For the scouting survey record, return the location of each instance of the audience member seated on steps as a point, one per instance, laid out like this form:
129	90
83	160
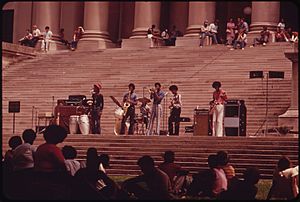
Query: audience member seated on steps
204	31
241	40
292	173
281	24
223	160
152	184
280	35
70	154
154	35
86	181
76	37
213	29
36	33
166	37
7	166
13	143
173	35
243	189
202	184
23	154
220	183
294	38
230	32
47	36
26	40
176	175
281	187
62	37
48	157
264	37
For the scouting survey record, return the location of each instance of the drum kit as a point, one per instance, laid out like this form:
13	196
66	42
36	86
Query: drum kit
120	113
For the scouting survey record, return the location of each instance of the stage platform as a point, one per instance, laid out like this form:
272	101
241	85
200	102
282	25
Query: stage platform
191	151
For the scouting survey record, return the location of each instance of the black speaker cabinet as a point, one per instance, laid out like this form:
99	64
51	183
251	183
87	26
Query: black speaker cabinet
201	123
235	118
13	106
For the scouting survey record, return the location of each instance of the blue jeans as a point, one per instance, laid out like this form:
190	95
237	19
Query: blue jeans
203	35
242	44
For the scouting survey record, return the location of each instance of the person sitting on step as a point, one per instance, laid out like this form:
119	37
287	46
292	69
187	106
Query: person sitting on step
70	154
264	37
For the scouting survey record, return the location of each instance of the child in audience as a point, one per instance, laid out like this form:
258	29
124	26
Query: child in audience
13	143
241	40
70	154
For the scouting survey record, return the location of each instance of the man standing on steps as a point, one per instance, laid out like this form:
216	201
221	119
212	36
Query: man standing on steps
219	98
129	100
98	104
156	113
175	110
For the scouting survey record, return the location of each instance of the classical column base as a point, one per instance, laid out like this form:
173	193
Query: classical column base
139	43
139	33
94	40
94	44
289	119
192	31
258	26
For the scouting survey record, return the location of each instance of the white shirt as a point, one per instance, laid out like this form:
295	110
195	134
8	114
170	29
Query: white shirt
47	35
72	166
281	25
176	100
213	28
23	156
220	182
205	29
36	32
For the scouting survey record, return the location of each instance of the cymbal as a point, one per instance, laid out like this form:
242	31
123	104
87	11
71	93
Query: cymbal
144	100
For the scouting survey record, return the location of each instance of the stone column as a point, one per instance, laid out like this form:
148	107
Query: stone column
198	12
96	34
265	13
290	117
47	14
146	14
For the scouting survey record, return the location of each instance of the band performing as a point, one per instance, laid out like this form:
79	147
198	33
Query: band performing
142	116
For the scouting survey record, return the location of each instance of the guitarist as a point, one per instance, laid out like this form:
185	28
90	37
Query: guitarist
219	98
129	99
175	108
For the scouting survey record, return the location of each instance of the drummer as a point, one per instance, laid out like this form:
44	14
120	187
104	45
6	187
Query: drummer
131	98
97	107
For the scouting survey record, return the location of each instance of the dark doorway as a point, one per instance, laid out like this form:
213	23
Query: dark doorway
289	12
7	25
164	15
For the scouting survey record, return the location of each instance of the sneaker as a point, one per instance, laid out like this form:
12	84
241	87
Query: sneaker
243	48
264	44
251	46
231	48
201	46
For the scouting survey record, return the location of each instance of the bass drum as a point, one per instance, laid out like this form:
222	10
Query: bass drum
84	124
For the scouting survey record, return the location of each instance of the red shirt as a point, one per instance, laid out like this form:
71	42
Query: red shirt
220	96
170	169
48	158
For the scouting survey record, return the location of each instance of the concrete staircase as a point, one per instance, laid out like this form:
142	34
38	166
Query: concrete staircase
35	81
59	74
191	152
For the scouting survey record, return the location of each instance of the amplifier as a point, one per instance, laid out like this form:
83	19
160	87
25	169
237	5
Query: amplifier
235	118
201	122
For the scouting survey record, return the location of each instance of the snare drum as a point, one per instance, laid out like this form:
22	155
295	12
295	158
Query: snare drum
84	124
119	113
73	124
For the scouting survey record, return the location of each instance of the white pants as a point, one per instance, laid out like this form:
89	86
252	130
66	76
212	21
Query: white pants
218	117
45	44
155	117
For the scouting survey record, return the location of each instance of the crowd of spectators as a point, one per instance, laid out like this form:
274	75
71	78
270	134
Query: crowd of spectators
31	39
48	172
